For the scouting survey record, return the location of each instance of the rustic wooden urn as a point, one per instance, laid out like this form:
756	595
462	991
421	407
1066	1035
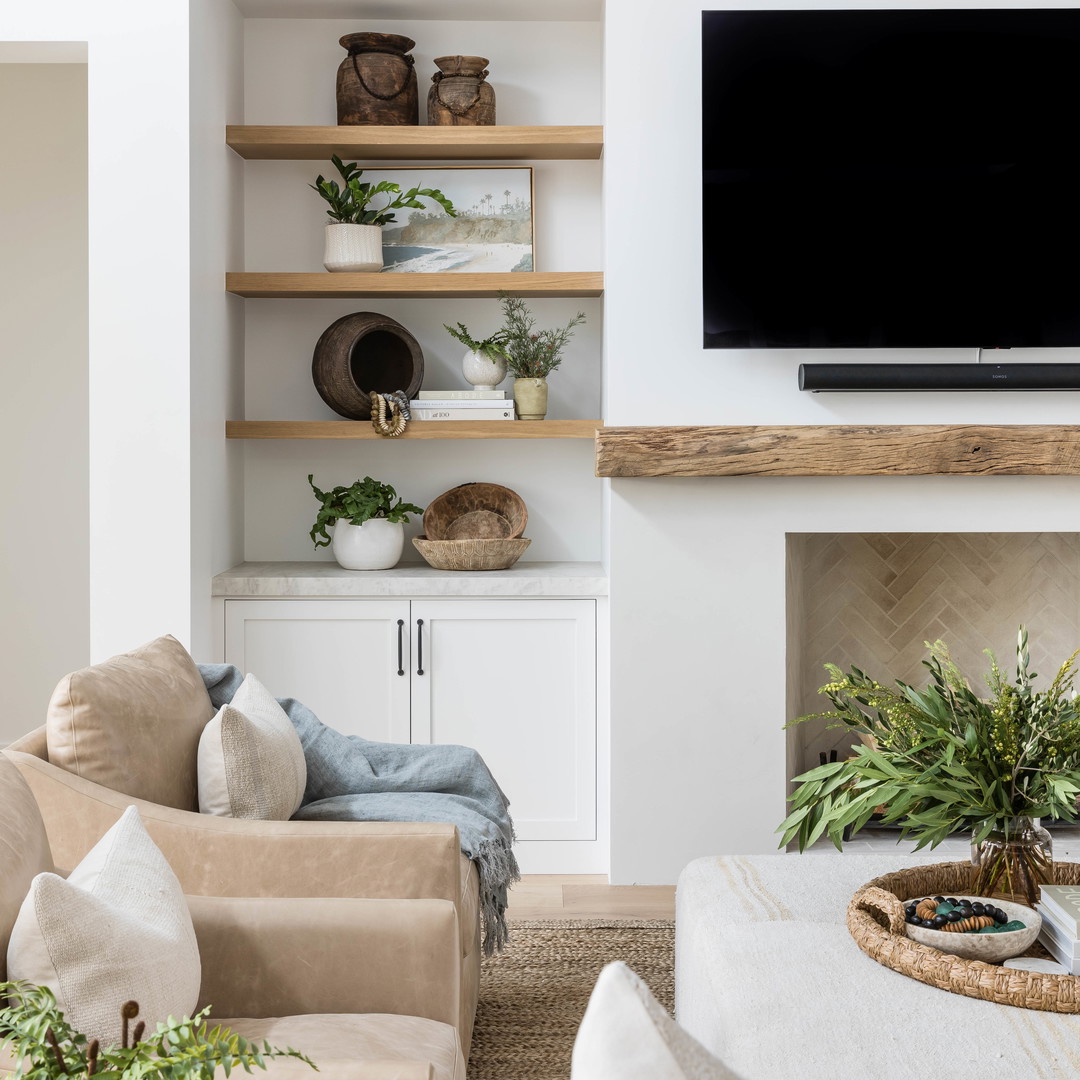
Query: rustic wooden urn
460	94
376	82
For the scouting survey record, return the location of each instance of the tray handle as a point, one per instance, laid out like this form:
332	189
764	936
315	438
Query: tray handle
883	907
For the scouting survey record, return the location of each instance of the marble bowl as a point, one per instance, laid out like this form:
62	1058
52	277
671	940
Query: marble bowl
991	948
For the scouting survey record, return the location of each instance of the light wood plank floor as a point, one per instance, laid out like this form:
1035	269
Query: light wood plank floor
588	896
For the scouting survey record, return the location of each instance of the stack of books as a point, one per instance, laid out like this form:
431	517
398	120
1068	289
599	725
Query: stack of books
1059	906
462	405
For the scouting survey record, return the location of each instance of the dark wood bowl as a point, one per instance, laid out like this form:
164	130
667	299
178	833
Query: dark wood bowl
476	512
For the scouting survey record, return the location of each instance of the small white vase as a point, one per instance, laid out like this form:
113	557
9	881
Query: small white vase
375	545
353	248
481	371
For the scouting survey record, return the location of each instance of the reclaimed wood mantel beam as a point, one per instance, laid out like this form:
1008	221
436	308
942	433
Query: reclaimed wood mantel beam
835	450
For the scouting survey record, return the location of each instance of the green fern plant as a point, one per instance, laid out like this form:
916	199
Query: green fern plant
46	1047
361	501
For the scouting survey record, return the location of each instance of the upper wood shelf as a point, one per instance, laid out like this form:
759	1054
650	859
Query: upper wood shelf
835	450
418	429
406	143
461	286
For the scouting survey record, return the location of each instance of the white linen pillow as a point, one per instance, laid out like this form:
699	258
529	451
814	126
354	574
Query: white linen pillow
251	762
118	929
627	1035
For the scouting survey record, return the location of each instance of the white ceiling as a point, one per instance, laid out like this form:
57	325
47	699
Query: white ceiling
455	10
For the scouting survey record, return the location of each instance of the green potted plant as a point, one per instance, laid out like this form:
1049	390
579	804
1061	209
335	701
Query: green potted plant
941	760
531	355
484	363
367	518
46	1047
358	210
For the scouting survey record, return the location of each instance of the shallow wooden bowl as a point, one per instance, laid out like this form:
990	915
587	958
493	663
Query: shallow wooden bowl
476	512
494	554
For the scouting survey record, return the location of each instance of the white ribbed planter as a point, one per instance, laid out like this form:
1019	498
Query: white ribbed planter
482	372
353	248
375	545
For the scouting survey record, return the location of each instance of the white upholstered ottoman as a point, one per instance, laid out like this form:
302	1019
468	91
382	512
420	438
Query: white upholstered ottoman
768	978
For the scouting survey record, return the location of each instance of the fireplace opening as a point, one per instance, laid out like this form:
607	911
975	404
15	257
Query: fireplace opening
873	599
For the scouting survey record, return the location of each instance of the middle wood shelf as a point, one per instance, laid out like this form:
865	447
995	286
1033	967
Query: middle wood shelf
462	286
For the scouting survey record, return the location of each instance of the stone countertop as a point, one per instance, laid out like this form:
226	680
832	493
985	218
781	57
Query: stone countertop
318	579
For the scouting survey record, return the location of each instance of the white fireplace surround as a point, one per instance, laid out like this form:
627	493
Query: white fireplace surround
707	629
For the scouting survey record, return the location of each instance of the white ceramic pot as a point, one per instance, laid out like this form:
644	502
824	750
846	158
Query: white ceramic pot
481	371
375	545
353	248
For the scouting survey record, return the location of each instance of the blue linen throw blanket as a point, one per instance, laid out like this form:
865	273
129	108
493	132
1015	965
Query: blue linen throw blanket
353	779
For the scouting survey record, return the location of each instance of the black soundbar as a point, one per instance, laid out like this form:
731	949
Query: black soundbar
819	378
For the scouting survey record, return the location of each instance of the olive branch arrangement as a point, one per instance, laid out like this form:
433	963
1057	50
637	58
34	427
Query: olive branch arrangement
46	1047
941	760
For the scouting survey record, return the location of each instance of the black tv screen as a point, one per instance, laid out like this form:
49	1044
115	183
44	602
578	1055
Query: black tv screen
891	178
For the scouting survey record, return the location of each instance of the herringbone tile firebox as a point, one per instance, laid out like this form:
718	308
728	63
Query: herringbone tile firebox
873	599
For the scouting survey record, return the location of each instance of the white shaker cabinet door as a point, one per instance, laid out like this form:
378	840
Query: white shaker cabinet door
339	657
516	680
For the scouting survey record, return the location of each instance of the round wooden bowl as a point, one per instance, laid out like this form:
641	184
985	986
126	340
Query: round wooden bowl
362	352
497	554
476	512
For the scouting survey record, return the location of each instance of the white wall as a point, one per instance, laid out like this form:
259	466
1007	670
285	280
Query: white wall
140	464
44	437
217	317
697	566
542	73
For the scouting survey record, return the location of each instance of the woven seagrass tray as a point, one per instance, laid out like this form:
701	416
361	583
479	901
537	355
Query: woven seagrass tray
875	918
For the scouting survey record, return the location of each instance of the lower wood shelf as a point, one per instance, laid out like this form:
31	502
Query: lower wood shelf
418	429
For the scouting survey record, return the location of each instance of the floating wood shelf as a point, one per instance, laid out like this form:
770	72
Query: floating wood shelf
923	450
378	143
460	286
418	429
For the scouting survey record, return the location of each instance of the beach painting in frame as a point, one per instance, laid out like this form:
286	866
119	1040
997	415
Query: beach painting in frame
493	230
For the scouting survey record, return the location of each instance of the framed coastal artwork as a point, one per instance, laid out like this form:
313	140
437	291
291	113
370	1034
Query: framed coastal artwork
493	230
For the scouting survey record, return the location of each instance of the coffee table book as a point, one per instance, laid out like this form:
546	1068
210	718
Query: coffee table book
1064	904
1059	943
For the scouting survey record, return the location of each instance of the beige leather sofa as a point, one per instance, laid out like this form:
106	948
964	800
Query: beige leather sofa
359	985
305	917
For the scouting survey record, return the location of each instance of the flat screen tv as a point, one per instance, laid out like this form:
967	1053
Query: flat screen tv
891	178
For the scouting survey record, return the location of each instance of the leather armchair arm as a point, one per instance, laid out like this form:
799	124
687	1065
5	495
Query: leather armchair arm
267	957
217	856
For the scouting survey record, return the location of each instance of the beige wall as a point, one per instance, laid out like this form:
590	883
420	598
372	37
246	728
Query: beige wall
44	477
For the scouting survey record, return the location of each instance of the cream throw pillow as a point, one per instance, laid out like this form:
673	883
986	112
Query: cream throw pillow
251	761
118	929
627	1035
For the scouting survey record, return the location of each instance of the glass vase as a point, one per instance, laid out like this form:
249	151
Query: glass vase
1013	861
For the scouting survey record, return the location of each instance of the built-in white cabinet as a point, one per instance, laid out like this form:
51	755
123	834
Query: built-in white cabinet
513	678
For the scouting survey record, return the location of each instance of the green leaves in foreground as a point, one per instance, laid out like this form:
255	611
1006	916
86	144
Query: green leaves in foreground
46	1047
942	760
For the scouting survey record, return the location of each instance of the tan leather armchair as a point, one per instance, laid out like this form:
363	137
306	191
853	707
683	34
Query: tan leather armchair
359	985
390	910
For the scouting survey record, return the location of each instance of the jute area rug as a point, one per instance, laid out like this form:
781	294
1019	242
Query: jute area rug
533	995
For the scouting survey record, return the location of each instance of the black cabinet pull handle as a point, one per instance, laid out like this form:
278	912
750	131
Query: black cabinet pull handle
419	646
400	630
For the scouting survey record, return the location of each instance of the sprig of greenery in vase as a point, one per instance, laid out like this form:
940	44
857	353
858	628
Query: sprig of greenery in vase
350	205
491	347
941	760
532	354
46	1047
